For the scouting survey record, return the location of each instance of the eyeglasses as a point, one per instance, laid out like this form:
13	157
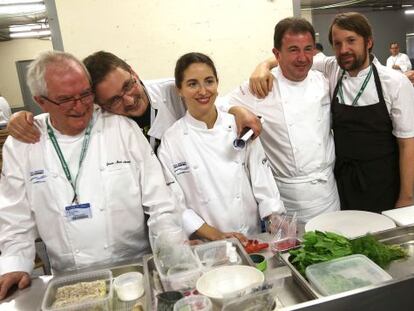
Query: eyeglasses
68	103
117	100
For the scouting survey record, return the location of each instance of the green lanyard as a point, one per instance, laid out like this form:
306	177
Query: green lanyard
65	167
364	85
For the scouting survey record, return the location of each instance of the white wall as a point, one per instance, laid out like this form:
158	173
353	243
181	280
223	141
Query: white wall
151	34
10	52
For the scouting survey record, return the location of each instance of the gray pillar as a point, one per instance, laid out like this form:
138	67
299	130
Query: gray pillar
57	42
296	8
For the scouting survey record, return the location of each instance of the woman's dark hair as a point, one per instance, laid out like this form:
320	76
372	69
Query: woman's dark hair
352	21
188	59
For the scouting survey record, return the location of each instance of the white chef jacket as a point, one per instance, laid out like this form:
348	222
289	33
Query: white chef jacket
5	111
401	60
223	187
297	139
319	55
120	177
398	92
166	106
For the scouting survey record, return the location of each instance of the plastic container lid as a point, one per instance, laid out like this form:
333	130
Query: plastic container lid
345	273
129	286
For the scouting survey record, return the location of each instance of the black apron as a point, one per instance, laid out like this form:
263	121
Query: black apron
367	158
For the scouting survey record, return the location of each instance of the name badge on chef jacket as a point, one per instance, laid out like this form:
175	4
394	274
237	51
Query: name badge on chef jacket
78	211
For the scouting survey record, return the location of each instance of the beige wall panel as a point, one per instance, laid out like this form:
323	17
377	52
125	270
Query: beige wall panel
10	52
150	35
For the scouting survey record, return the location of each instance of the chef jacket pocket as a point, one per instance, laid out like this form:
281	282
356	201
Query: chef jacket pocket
123	199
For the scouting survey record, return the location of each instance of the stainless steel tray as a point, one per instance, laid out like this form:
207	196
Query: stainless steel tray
399	269
153	285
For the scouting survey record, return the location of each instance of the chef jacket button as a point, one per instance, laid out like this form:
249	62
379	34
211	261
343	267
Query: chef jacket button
105	246
101	208
164	100
195	167
237	197
102	168
54	175
76	251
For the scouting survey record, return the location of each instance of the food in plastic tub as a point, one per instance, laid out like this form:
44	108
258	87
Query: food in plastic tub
85	291
217	253
129	286
345	273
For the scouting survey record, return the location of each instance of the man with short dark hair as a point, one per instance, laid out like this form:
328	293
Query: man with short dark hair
296	131
397	60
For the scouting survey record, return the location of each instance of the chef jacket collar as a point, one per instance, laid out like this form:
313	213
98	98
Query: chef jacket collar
200	124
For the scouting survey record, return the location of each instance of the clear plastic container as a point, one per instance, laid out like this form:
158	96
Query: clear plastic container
217	253
103	303
180	271
345	273
129	286
256	301
194	303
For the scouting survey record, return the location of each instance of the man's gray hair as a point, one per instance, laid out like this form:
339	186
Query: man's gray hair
37	69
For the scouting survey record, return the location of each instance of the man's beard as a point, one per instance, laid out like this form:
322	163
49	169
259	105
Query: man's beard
357	63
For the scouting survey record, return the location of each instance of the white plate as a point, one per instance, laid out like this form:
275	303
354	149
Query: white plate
350	223
402	216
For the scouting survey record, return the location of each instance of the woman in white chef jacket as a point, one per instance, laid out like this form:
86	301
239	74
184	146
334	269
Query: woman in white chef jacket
224	192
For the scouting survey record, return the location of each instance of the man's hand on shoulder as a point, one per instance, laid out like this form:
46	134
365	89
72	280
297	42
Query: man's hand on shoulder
246	120
261	80
7	280
21	126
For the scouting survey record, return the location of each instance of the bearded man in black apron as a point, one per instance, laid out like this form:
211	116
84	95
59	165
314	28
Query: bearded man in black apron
373	121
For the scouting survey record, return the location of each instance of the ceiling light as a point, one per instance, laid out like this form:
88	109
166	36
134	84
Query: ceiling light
30	34
406	5
8	2
22	8
27	27
409	11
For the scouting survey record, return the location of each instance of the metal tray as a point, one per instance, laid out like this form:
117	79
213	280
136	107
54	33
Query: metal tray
152	282
399	269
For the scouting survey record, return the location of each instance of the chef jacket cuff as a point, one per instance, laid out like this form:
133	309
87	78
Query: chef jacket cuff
191	221
271	206
15	263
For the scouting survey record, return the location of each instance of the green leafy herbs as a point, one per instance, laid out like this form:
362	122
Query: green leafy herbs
323	246
378	252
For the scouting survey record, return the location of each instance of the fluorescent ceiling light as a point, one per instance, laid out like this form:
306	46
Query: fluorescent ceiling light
30	34
8	2
406	5
409	11
22	8
27	27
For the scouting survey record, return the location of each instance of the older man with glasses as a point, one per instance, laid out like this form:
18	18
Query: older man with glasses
83	187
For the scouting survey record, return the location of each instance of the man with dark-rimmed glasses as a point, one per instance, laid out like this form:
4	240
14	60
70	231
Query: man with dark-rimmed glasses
83	187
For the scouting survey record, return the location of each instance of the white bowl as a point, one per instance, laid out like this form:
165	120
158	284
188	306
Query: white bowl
226	281
129	286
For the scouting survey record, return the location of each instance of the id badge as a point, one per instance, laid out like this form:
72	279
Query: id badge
78	211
